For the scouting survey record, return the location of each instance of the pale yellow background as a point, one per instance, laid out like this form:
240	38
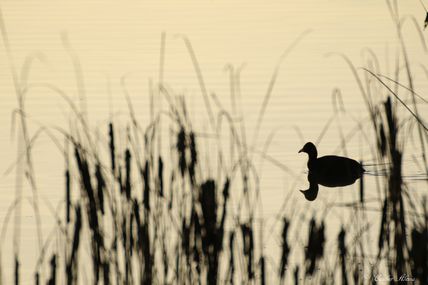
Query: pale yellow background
118	38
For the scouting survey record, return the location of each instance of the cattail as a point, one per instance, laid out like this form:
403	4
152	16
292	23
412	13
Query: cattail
382	138
383	226
112	148
210	248
315	247
86	179
321	239
84	173
250	237
92	212
400	238
127	189
226	190
72	262
393	214
232	257
100	187
171	185
131	233
37	278
356	272
225	199
16	270
220	231
391	121
426	21
285	249
124	233
262	271
197	235
106	272
185	236
165	259
181	149
210	242
193	156
296	275
209	205
160	176
52	279
342	255
67	196
120	181
125	247
146	178
248	242
137	219
177	260
139	238
114	250
419	255
148	271
310	254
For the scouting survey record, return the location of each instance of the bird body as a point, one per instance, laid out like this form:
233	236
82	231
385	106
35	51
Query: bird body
329	171
335	171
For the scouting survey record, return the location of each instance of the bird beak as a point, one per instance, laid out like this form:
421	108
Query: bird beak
300	150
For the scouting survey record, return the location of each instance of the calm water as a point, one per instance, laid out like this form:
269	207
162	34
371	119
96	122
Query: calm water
115	39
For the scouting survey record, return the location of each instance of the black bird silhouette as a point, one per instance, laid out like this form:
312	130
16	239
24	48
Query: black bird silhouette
329	171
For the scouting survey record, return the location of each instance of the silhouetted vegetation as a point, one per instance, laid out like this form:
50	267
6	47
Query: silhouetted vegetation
136	212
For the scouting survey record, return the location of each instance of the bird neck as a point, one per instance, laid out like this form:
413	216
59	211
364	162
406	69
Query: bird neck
312	159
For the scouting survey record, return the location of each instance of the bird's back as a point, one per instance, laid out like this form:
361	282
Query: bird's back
334	171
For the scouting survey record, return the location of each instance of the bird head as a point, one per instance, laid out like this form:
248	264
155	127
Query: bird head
310	149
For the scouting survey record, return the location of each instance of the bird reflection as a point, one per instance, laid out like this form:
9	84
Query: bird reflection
329	171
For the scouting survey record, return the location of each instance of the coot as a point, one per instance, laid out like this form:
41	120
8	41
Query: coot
331	170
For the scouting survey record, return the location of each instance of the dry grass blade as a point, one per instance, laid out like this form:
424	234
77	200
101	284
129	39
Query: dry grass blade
418	119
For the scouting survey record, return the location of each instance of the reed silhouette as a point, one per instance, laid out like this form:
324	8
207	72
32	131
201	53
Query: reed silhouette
143	214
